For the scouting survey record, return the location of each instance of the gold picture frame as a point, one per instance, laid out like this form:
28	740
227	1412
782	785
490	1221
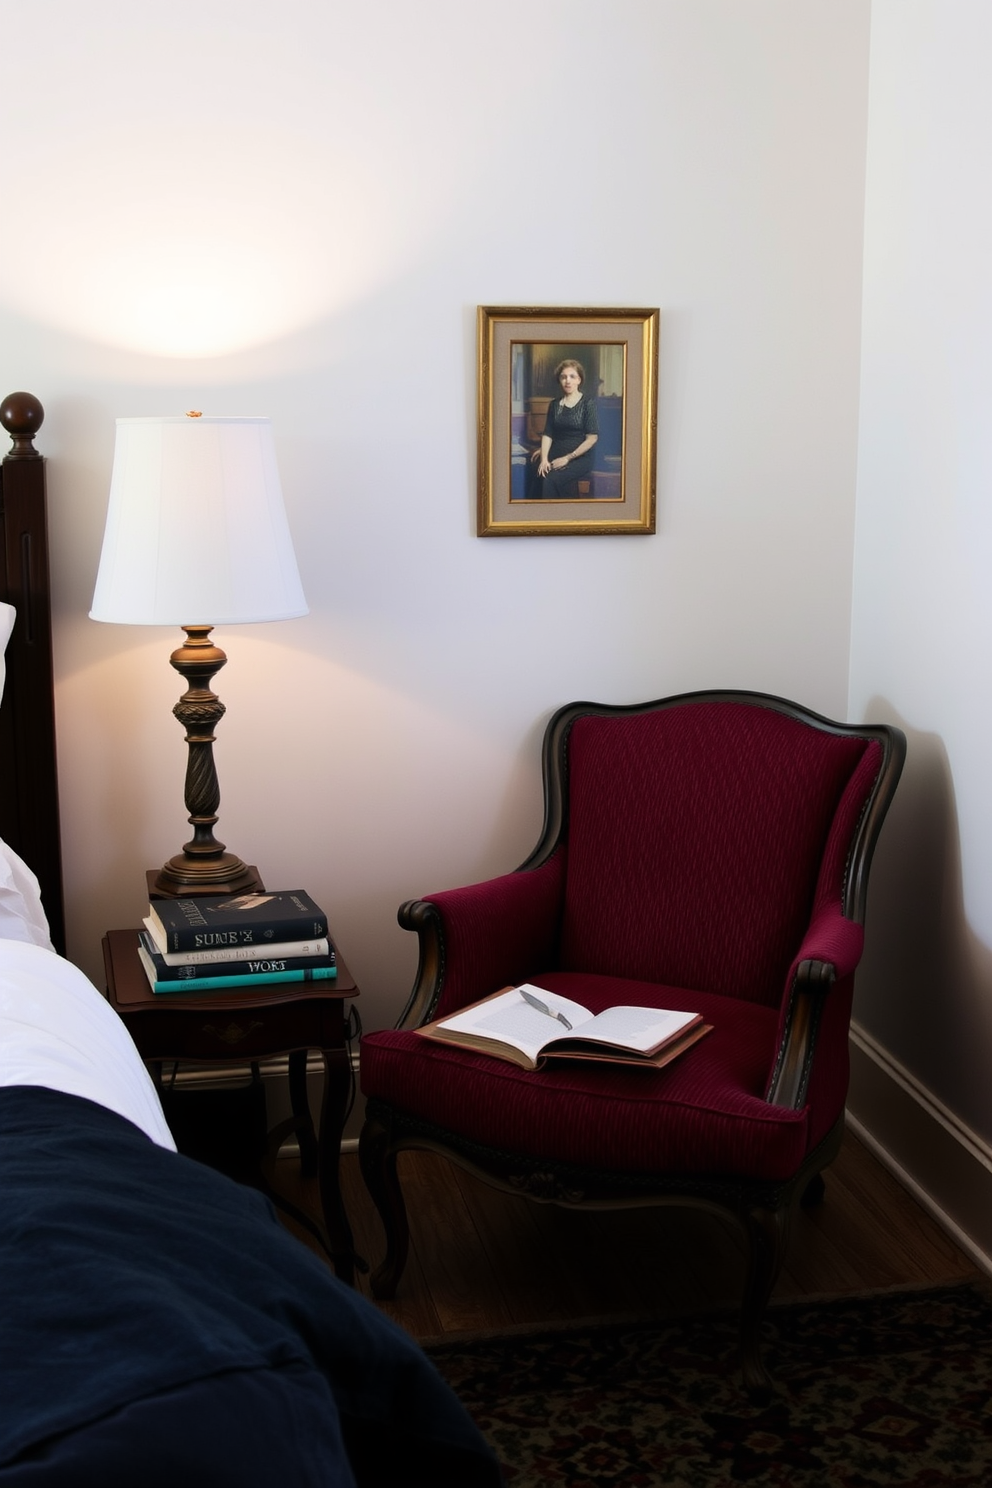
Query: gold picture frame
608	437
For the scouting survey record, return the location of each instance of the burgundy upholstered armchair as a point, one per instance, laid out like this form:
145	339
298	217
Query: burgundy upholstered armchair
708	853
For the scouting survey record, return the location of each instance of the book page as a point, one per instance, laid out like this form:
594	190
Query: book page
640	1028
513	1021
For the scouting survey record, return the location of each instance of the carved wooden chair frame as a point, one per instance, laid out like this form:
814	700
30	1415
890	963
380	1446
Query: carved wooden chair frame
762	1210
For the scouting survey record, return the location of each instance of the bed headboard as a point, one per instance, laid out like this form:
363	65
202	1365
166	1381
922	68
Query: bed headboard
29	799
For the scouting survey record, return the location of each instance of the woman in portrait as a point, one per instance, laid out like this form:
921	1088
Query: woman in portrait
571	430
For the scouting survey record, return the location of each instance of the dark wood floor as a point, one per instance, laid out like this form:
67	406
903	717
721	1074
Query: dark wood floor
484	1260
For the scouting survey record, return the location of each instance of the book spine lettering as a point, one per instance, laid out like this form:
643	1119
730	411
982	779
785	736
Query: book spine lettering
246	969
206	925
165	971
235	955
256	937
300	950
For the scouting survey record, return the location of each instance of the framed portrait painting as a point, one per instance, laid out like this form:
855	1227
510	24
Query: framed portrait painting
567	421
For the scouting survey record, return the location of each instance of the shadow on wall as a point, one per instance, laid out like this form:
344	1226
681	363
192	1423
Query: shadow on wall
924	990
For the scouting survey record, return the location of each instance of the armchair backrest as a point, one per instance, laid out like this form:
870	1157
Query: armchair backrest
702	833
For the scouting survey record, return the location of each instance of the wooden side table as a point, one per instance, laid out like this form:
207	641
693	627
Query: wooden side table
249	1024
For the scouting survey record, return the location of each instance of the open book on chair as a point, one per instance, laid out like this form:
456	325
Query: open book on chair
529	1026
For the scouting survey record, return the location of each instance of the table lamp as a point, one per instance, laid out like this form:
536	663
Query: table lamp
197	532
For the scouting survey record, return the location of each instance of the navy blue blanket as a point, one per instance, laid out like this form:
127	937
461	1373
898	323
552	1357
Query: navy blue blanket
129	1274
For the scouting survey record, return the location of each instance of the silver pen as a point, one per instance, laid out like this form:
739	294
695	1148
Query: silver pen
542	1007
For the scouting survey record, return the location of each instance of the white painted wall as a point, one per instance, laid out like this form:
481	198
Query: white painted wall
294	211
922	623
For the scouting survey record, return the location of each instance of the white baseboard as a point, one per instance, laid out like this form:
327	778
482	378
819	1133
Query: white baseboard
944	1165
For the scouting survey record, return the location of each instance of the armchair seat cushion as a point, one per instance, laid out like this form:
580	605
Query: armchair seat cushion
703	1114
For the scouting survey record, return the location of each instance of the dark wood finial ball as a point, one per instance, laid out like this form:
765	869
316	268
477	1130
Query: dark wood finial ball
21	413
22	416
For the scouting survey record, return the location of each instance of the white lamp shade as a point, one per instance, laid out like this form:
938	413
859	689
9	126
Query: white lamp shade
196	528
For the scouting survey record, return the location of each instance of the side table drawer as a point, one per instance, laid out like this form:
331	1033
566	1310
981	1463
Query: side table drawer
237	1033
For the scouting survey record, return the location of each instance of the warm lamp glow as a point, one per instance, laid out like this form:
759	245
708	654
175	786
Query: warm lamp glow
199	179
196	535
193	260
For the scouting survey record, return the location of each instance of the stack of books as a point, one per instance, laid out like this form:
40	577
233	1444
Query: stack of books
220	943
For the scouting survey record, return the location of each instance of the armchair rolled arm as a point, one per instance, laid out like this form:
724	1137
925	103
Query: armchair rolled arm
830	951
831	940
477	939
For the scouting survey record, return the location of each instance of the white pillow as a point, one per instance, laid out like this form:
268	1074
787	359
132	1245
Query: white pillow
56	1030
21	914
7	617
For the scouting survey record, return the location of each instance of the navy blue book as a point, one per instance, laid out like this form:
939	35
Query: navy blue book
209	976
218	920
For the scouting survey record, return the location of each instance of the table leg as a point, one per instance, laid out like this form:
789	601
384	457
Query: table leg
337	1086
300	1103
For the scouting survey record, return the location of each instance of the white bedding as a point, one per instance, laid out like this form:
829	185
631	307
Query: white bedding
21	914
7	617
58	1031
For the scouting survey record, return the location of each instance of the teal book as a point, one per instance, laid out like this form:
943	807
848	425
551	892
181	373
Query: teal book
225	976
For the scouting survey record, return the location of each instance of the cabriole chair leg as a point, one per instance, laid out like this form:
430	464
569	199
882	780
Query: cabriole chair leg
378	1163
767	1232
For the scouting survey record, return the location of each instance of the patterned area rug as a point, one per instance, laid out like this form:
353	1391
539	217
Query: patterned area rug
889	1389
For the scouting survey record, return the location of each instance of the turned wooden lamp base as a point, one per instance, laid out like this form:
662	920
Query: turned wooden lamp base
179	878
203	866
